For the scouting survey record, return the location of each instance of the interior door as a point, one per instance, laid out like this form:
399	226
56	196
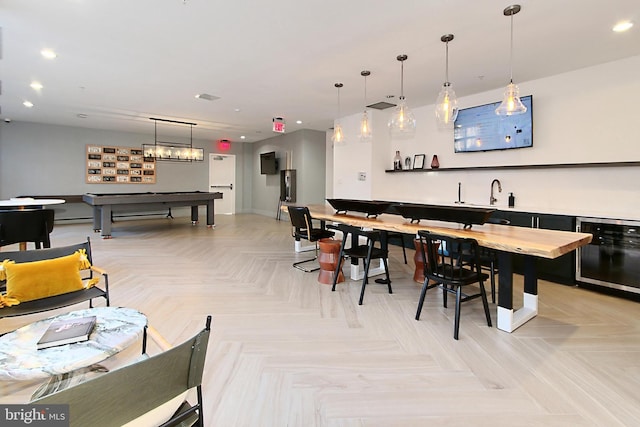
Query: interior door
222	178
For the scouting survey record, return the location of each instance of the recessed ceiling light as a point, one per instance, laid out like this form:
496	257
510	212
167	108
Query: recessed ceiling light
27	104
237	110
36	85
299	122
622	26
48	53
242	137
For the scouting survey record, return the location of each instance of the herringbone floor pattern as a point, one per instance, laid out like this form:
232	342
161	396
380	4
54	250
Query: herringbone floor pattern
286	351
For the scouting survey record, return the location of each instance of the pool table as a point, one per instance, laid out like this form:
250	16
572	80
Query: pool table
106	204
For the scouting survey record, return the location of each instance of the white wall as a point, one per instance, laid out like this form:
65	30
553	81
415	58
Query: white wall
42	159
580	117
308	148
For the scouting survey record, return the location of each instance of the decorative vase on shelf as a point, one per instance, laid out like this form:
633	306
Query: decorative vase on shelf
435	164
397	162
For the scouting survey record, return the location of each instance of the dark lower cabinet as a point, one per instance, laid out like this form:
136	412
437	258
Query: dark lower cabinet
559	270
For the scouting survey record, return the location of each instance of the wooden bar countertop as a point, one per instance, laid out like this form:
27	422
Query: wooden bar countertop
521	240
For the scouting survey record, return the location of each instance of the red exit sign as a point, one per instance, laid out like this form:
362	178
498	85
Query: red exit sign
278	125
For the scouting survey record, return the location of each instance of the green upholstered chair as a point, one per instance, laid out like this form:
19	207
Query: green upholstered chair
154	388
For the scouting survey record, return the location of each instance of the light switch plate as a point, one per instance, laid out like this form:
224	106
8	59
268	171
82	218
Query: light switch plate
362	176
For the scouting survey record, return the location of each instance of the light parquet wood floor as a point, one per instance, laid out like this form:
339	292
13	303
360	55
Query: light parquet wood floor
286	351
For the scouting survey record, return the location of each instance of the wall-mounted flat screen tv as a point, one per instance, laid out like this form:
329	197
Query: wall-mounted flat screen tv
268	163
481	129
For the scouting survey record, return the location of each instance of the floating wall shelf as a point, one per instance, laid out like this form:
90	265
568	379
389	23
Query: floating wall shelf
547	166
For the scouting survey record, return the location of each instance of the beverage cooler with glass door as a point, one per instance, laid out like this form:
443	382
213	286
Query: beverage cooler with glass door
612	259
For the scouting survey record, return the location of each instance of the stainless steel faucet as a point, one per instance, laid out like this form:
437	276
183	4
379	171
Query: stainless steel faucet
493	200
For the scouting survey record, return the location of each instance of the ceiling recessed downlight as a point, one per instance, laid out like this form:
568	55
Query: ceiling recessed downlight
48	53
299	122
36	85
622	26
27	104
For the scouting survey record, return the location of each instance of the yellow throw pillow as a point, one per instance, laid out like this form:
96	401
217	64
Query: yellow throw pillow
28	281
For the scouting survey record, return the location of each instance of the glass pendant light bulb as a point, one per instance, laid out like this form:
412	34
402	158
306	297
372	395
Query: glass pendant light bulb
447	102
338	135
446	106
511	103
365	126
402	123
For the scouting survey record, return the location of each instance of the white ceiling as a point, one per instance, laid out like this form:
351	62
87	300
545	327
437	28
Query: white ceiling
121	62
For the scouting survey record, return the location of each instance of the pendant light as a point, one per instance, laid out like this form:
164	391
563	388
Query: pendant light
365	126
402	122
338	136
447	102
511	103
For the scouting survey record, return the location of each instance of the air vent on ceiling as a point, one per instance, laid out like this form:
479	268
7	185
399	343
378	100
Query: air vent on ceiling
207	97
382	105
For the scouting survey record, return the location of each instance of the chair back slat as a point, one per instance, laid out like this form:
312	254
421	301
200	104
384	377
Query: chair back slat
47	253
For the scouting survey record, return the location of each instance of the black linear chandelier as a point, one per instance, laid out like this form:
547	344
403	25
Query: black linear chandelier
173	151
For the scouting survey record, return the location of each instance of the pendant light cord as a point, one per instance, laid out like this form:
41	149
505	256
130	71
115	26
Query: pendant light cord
402	79
511	53
365	93
447	64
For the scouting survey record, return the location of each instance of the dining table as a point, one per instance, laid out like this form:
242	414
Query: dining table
506	240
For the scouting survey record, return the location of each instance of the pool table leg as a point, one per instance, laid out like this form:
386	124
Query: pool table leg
210	222
194	215
97	226
105	220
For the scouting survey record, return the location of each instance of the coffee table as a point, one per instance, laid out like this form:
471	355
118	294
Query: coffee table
116	329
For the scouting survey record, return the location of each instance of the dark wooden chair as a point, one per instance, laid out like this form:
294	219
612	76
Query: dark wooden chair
57	301
488	259
302	228
449	274
366	252
26	225
156	383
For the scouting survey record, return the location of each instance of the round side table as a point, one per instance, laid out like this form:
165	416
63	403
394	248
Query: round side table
116	328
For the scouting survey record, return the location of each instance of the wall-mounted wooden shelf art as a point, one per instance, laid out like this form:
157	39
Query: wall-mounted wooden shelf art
118	165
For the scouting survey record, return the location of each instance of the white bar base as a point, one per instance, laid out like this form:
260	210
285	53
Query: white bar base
357	271
299	248
509	320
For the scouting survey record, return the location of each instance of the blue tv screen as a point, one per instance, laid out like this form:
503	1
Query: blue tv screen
481	129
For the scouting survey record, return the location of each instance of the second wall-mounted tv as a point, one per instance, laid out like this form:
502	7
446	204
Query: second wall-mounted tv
268	163
481	129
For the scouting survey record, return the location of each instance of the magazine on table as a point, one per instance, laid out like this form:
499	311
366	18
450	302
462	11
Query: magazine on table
67	331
